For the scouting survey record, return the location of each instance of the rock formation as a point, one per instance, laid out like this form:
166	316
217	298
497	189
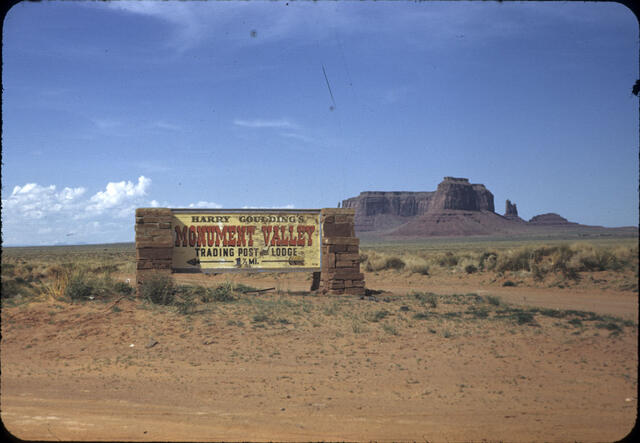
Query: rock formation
510	209
458	193
384	210
511	212
456	208
550	219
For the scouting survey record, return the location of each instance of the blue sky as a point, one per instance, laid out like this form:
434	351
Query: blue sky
117	105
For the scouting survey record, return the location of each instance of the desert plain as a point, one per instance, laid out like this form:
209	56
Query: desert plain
487	340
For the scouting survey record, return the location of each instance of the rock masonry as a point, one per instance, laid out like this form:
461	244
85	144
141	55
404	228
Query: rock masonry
154	243
340	254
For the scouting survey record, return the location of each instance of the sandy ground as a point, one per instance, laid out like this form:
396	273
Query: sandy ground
319	370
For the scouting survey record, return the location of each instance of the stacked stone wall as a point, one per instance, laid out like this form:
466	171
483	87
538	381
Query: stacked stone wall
154	243
340	253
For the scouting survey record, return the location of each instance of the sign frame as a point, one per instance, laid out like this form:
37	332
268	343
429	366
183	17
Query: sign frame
265	211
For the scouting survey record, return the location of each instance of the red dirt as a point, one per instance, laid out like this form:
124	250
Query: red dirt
70	372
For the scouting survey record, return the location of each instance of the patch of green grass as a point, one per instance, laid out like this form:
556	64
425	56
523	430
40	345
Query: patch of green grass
389	329
158	289
260	318
426	298
476	312
422	315
470	269
575	322
609	326
358	327
377	316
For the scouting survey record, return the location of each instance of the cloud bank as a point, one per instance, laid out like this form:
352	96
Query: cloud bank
37	215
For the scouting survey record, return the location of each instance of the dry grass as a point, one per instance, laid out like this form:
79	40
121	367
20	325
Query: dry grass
550	263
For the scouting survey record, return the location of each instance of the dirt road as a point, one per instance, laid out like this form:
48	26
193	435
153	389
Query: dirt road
321	368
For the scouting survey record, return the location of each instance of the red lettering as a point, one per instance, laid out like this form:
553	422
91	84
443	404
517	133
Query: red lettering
192	235
218	234
301	231
202	236
292	240
181	236
283	240
210	235
275	240
266	232
250	231
240	241
231	240
310	230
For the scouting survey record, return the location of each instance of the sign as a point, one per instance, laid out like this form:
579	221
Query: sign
246	240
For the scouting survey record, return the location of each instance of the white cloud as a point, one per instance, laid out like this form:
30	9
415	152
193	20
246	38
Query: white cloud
106	123
188	27
261	123
35	201
204	204
160	124
37	215
119	196
297	136
289	206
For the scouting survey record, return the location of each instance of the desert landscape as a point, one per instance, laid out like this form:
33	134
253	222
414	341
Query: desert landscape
319	221
457	339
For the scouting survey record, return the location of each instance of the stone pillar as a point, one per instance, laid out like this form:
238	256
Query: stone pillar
154	243
340	253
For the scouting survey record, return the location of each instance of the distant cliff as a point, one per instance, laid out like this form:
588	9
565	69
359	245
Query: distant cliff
455	208
383	210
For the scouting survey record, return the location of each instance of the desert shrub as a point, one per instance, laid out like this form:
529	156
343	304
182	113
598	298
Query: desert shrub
260	318
417	265
481	312
80	286
395	263
422	315
186	304
11	287
488	260
242	289
223	293
389	329
377	316
123	288
560	257
538	271
523	317
375	262
448	260
575	322
428	298
609	326
493	300
105	269
470	269
588	258
509	283
514	260
8	269
158	289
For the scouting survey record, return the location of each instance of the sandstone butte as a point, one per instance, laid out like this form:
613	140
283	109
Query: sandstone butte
456	208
